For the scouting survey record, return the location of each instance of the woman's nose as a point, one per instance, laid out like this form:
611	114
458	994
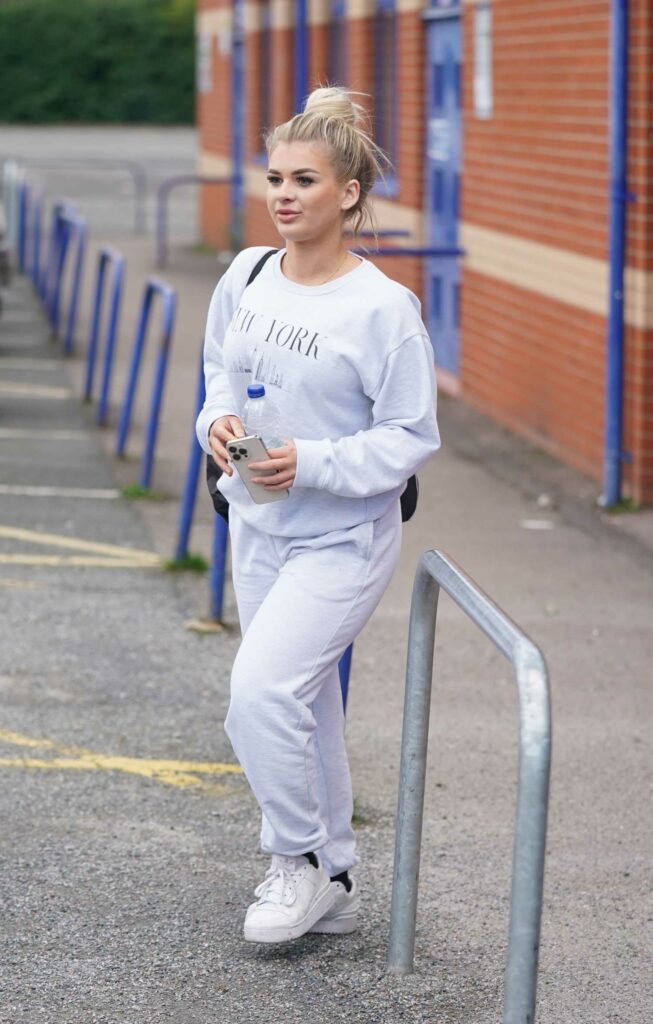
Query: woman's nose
288	189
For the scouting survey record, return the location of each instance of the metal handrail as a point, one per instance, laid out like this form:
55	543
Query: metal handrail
435	571
108	259
169	299
131	167
162	194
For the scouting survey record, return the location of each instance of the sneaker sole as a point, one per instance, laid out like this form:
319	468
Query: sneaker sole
343	924
283	933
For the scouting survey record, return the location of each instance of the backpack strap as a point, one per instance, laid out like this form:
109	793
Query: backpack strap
259	265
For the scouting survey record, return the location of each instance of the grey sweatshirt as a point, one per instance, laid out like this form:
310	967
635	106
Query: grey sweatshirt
349	366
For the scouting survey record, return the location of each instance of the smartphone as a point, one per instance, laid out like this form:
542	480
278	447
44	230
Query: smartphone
244	450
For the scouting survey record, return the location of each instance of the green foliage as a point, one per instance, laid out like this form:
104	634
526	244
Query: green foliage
136	492
189	563
97	61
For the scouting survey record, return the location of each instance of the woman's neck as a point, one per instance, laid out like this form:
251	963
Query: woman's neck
314	264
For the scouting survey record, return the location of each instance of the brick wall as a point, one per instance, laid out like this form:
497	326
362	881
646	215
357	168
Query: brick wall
538	169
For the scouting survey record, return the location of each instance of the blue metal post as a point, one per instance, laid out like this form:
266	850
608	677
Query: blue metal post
238	108
301	55
613	452
169	297
118	262
91	349
23	208
189	494
137	353
169	307
62	240
344	669
48	269
107	259
79	231
35	254
218	567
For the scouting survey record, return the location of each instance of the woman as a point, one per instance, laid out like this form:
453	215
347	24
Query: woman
346	358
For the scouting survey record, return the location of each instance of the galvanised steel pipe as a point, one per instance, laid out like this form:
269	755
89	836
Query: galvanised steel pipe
436	570
162	195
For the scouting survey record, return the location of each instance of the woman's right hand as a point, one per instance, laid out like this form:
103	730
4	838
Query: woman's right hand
223	430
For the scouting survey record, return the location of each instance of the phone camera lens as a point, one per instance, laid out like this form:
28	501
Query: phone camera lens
242	451
235	456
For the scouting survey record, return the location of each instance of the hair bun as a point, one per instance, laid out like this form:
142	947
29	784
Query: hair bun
335	101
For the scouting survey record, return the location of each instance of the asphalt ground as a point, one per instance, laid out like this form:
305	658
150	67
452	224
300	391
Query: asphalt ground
129	850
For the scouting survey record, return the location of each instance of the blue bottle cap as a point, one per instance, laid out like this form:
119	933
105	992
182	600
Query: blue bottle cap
255	391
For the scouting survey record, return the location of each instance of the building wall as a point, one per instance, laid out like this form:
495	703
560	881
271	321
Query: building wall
534	204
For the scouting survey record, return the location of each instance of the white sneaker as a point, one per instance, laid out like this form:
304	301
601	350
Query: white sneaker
343	916
291	898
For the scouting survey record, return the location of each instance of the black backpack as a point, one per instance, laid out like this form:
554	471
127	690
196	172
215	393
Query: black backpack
213	472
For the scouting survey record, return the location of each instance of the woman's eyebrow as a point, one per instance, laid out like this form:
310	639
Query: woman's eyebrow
302	170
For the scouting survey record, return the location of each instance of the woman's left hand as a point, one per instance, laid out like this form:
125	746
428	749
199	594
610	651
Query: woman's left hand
284	463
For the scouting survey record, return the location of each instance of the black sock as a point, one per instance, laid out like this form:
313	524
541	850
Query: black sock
344	878
312	859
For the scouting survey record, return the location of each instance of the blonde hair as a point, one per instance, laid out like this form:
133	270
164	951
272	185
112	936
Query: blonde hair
331	117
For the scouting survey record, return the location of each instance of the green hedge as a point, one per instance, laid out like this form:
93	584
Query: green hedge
97	61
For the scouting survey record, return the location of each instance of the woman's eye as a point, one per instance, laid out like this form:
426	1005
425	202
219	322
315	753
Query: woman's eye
273	179
303	180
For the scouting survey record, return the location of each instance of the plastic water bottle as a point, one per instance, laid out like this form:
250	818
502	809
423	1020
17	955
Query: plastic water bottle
261	416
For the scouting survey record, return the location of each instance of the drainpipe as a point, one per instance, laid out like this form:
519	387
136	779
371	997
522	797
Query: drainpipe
301	55
613	450
237	123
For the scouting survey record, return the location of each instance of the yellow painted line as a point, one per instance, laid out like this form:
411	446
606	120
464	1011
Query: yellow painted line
88	561
33	390
57	540
181	774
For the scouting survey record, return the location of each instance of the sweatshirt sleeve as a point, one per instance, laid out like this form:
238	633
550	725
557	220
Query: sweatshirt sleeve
402	436
219	398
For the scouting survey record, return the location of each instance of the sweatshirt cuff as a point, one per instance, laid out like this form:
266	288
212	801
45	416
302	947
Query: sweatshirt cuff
311	462
204	421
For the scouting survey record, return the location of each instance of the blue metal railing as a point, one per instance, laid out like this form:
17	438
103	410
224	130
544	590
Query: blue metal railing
22	226
35	229
68	232
76	226
189	493
109	261
162	195
218	567
169	303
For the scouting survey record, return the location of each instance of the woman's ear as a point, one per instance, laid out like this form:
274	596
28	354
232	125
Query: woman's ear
350	194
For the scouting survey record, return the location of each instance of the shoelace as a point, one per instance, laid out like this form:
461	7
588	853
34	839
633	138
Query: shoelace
278	886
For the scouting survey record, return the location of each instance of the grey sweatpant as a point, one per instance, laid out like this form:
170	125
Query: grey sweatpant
301	602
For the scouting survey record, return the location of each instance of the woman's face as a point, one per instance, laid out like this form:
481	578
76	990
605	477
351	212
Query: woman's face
304	197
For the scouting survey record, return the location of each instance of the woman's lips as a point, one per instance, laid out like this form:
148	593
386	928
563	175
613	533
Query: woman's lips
287	214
